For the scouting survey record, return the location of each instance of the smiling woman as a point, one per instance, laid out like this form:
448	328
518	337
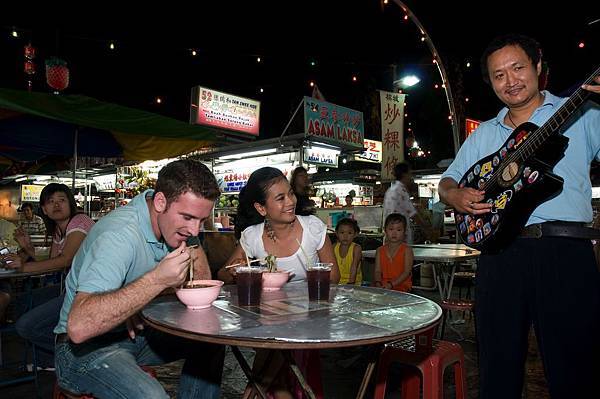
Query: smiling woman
267	224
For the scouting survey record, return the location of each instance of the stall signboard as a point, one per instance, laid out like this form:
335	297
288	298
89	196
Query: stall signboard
31	192
372	151
235	179
321	156
333	124
222	110
105	182
392	129
232	182
470	126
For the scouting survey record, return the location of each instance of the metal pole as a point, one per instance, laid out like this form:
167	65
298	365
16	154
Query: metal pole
291	119
442	71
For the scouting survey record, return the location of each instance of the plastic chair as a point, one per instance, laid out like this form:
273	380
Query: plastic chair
448	305
424	369
61	393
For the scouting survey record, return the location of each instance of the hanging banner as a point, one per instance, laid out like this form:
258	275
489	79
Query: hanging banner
392	132
214	108
333	123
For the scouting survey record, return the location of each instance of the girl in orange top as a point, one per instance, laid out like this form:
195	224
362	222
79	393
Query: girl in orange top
394	259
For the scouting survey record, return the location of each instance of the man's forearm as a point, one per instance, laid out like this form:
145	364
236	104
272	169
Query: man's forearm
95	314
444	188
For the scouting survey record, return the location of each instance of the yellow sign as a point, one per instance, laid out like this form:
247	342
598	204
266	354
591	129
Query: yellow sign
31	193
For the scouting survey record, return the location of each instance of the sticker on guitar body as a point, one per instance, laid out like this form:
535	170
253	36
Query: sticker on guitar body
502	200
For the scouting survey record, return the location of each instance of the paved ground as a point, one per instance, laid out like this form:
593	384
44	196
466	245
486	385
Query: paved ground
342	370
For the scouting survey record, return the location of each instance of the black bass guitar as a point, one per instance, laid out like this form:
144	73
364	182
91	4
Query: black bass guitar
517	179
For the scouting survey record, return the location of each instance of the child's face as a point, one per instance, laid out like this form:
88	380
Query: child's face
345	234
395	232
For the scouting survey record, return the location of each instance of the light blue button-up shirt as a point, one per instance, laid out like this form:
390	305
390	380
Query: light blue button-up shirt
119	249
574	202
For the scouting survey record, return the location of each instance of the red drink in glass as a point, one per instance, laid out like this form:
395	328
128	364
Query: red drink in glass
318	277
249	285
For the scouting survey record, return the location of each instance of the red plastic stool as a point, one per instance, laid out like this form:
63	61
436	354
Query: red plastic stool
454	304
431	367
61	393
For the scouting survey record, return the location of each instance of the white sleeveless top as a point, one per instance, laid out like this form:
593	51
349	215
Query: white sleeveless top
314	232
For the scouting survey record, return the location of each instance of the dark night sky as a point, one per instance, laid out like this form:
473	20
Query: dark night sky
153	58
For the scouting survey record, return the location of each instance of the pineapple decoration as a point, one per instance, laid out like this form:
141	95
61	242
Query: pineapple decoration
29	66
57	74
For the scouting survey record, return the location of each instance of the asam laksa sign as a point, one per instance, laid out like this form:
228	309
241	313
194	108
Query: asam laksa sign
214	108
333	123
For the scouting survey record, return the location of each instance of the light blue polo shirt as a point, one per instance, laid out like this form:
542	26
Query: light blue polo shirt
119	249
574	202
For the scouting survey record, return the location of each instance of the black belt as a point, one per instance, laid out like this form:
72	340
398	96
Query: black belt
62	338
560	229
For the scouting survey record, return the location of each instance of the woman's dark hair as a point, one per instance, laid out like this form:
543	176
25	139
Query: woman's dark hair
530	46
348	222
27	205
294	177
255	191
401	169
45	195
187	175
394	218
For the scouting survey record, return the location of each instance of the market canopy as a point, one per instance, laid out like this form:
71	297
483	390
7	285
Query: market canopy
34	125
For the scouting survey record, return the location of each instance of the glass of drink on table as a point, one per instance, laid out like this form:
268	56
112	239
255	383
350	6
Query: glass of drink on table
318	278
249	285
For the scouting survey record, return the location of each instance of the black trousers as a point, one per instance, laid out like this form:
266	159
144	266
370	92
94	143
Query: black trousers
554	285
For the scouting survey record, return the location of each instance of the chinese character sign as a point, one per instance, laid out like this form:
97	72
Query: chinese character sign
31	193
372	151
333	123
213	108
392	132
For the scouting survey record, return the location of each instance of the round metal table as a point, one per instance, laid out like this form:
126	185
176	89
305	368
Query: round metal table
286	319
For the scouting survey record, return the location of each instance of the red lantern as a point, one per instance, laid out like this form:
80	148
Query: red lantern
29	51
29	67
57	74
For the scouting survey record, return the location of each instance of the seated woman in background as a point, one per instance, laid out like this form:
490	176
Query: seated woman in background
68	229
266	224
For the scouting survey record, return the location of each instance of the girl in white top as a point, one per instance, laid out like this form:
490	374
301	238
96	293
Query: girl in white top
266	224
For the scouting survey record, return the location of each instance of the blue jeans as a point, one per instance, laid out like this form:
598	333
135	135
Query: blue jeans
37	326
108	366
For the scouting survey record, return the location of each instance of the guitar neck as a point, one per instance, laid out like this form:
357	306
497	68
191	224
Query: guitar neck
553	124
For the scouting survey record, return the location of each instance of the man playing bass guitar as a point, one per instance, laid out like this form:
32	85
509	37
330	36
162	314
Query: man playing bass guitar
531	279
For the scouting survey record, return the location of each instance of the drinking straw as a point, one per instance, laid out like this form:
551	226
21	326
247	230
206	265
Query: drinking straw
244	249
305	255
